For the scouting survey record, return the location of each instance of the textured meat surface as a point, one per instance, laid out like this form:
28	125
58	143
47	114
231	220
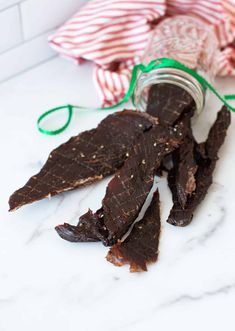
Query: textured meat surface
141	246
217	133
85	231
85	158
127	191
184	171
182	217
181	162
167	102
206	155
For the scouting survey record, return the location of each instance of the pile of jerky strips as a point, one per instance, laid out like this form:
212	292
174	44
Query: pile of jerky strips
135	147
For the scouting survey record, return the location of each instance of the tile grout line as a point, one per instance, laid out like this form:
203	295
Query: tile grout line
28	69
28	40
13	5
21	22
11	48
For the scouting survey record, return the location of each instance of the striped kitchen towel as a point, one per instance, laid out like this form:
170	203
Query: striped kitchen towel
114	34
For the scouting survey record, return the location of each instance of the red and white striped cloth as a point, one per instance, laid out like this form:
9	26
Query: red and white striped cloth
114	34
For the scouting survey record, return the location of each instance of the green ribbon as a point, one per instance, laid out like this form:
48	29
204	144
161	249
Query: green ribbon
155	64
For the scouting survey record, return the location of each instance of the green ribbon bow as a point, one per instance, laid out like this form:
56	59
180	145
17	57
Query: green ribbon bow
155	64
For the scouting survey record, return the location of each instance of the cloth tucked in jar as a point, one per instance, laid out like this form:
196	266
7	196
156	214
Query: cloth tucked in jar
114	34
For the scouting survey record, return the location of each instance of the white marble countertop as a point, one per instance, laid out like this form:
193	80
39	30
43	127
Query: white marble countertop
49	284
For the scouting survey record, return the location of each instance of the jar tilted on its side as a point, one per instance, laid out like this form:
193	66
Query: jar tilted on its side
187	40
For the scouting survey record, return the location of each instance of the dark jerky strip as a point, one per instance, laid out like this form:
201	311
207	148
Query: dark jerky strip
217	133
168	102
185	151
181	177
206	155
127	191
178	107
182	217
184	170
85	231
141	246
85	158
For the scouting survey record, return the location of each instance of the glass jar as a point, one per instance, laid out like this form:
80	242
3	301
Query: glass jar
187	40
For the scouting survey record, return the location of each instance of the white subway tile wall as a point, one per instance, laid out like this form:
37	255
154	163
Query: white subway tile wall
26	56
41	15
10	28
25	26
7	3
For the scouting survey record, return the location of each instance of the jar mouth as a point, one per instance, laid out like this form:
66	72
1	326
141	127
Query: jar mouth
171	76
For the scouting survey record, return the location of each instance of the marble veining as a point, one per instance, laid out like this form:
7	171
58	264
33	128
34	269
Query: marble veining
211	228
50	284
187	298
226	289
